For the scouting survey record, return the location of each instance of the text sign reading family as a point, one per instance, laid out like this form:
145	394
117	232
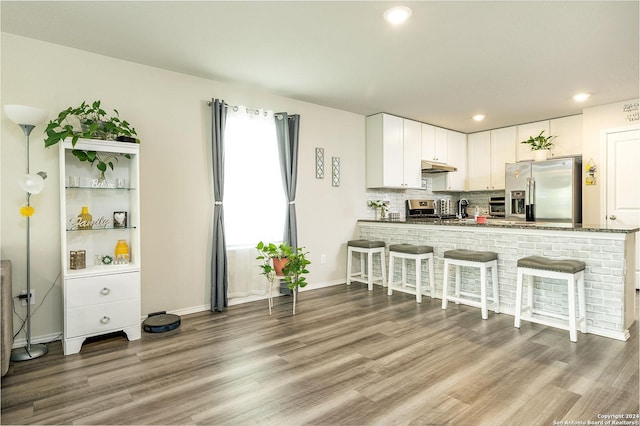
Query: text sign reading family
78	223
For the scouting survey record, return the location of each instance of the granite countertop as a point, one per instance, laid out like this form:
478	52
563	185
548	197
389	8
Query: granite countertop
511	224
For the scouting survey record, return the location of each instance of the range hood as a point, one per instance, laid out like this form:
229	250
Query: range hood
431	167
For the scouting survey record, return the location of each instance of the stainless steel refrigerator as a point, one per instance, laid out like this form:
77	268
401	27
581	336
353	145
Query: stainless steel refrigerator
544	190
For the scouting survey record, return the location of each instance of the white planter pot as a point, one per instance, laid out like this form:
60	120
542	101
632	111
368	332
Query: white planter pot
541	154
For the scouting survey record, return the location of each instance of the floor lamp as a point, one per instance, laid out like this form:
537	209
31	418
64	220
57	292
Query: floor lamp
27	118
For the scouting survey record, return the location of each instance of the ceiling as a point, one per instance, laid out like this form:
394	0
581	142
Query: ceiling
515	61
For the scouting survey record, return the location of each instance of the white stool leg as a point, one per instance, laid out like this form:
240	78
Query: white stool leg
483	291
391	266
432	281
349	264
362	270
530	284
582	303
383	268
573	330
370	271
496	292
518	311
445	284
457	293
404	272
418	286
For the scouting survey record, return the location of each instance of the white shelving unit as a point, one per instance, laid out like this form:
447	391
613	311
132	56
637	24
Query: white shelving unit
100	298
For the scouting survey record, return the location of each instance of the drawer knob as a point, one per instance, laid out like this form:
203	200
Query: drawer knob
105	319
105	291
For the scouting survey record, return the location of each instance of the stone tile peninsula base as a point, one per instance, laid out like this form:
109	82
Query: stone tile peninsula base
609	256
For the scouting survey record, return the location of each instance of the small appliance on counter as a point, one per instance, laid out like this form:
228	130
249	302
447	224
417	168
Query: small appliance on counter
424	209
497	206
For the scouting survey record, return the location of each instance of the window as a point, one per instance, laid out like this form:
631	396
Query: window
254	200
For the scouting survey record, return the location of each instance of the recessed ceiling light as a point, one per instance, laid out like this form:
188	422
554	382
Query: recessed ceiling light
581	97
478	117
397	15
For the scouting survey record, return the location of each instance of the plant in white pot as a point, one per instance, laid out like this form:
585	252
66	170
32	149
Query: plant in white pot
540	145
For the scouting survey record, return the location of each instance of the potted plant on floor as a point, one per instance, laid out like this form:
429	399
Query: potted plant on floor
540	145
293	271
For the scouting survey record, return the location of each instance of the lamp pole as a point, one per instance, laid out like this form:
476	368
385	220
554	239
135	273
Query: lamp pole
20	115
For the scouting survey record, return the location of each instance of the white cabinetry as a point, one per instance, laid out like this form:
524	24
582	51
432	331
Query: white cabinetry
104	295
525	131
434	144
488	152
479	163
503	151
457	157
569	135
393	152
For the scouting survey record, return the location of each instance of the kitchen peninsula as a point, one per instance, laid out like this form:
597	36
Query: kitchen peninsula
609	254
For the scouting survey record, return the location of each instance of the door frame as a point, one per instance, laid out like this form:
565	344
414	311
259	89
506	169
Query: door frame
604	162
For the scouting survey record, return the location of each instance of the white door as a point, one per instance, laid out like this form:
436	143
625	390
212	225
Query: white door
623	193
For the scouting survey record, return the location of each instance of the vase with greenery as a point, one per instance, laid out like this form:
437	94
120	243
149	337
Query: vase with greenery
540	142
294	269
382	205
90	121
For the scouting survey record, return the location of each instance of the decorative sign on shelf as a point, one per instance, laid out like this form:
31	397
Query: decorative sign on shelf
78	223
77	259
119	219
97	183
631	111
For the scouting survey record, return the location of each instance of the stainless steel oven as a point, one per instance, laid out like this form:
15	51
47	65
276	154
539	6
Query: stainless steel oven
497	206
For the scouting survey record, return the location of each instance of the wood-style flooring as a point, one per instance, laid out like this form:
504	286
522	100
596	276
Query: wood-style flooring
348	357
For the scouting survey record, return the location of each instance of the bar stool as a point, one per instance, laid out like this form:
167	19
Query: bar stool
562	269
418	254
368	248
477	259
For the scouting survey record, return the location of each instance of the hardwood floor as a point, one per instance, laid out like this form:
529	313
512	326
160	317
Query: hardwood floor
348	357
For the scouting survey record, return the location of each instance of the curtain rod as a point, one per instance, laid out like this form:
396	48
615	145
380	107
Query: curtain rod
255	111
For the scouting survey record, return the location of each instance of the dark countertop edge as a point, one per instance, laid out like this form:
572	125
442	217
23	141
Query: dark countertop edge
546	226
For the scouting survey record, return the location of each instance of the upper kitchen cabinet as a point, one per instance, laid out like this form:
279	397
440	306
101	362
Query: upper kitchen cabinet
457	157
569	135
488	152
394	147
503	151
479	161
525	131
434	144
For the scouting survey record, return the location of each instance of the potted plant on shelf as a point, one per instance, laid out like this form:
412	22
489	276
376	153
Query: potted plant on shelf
540	145
293	271
93	123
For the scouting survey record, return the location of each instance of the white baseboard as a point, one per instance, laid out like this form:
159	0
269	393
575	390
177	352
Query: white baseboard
45	338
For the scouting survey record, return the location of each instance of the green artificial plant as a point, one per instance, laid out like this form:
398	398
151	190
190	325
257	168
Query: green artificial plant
540	142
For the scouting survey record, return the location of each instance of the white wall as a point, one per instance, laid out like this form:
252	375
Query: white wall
171	116
595	120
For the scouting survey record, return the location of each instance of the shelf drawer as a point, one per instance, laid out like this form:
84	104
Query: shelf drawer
100	319
95	290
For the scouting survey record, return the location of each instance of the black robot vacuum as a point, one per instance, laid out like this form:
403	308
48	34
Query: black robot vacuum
159	322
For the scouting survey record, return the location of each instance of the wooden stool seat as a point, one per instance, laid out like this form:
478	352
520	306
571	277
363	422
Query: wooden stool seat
417	253
478	259
562	269
366	248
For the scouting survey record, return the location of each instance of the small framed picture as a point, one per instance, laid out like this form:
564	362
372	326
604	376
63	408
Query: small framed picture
119	219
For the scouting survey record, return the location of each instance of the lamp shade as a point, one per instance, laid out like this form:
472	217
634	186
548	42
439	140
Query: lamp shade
22	114
32	183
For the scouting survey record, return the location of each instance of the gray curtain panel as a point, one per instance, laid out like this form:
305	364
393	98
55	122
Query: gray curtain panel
219	274
287	129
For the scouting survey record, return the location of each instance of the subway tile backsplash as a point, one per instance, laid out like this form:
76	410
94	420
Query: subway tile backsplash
398	197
